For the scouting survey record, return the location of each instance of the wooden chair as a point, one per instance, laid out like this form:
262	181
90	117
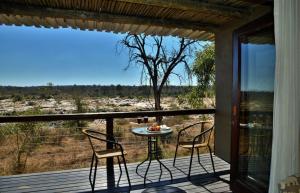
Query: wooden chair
199	141
117	151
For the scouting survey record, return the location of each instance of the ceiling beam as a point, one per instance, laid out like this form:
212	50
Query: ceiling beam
259	2
194	5
26	10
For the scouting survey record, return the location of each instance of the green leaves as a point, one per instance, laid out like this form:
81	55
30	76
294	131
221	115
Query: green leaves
204	70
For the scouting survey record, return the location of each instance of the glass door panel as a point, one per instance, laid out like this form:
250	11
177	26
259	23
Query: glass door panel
257	66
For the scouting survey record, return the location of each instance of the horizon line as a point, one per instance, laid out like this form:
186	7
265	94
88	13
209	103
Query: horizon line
24	86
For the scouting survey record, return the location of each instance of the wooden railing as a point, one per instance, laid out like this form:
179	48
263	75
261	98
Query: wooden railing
109	117
105	115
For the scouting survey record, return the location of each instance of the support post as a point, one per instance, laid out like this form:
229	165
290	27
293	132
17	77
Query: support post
110	161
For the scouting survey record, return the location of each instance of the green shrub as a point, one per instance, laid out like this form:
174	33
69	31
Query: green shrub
6	130
27	138
17	98
122	121
119	131
31	103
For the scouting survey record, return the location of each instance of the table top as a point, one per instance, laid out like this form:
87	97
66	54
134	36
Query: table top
143	131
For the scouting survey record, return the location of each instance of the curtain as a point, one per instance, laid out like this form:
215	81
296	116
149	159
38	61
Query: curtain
286	134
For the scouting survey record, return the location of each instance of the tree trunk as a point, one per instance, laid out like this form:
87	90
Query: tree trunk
157	101
157	105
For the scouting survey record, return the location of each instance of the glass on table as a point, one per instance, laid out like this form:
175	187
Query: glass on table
145	119
139	120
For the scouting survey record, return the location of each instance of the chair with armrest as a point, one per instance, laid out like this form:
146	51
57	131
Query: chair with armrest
98	153
199	141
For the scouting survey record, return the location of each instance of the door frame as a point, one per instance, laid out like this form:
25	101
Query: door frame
236	184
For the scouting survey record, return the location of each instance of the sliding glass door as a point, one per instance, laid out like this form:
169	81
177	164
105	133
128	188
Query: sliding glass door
254	108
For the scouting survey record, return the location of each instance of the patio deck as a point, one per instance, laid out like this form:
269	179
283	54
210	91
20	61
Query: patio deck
77	180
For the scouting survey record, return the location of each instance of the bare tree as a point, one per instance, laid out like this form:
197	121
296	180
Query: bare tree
158	59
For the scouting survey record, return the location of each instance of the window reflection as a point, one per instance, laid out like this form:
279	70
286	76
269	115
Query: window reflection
256	106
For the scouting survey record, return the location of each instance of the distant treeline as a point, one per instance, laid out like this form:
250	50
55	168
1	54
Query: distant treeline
264	96
42	92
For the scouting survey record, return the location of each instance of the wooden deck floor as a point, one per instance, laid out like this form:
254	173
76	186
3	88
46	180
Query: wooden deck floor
77	180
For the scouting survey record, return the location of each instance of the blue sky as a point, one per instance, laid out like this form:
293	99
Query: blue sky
32	56
258	67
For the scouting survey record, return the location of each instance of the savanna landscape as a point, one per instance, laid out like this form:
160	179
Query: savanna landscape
48	146
157	61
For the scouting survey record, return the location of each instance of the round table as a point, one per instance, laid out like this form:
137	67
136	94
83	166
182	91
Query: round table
152	148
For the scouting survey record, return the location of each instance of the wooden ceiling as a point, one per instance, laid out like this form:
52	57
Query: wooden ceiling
196	19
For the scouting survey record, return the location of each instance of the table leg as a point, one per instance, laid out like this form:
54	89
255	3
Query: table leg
148	158
153	154
161	164
136	170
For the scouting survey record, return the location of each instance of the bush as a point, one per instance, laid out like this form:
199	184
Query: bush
17	98
122	121
176	120
4	97
31	103
27	138
174	107
119	131
5	131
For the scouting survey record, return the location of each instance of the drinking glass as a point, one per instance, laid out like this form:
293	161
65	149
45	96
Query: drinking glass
145	119
139	120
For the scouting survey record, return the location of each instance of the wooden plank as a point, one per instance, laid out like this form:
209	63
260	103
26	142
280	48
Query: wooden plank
70	23
78	186
17	9
26	20
259	2
181	163
85	186
77	177
76	180
61	22
91	25
190	5
52	22
36	21
10	19
150	30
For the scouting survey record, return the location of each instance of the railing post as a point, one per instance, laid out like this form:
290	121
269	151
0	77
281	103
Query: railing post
110	161
214	117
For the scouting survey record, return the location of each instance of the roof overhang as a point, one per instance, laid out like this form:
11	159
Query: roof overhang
183	18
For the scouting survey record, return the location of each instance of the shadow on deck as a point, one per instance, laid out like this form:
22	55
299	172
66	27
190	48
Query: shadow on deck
77	180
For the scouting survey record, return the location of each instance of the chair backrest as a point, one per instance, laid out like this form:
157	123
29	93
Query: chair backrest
97	139
204	136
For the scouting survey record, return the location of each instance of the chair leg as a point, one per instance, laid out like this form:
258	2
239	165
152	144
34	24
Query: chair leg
175	155
120	171
91	170
95	173
212	160
198	152
124	161
191	161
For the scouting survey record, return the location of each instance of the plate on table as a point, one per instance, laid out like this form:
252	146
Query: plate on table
165	128
152	131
